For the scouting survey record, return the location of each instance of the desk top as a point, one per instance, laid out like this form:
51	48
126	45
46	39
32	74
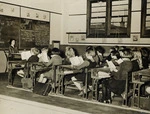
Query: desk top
144	72
141	76
17	61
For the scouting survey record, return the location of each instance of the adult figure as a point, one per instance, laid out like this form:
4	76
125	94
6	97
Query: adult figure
12	48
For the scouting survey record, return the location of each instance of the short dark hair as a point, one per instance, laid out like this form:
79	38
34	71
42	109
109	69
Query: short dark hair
55	51
116	53
90	48
11	41
100	49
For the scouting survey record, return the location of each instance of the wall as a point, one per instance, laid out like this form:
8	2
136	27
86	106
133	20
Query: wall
77	23
53	6
49	5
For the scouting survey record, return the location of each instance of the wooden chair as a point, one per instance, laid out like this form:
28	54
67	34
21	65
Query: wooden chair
129	84
14	65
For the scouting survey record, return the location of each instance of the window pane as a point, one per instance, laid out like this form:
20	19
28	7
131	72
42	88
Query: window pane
118	2
148	11
148	5
145	18
110	21
119	17
97	22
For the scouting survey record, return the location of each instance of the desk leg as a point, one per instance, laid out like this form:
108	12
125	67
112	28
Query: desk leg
136	89
9	76
61	84
86	84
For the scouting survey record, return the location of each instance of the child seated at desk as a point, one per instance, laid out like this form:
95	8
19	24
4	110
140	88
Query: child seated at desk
33	58
56	59
90	61
116	84
43	56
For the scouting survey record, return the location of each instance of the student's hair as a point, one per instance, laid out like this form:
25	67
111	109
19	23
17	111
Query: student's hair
116	53
100	49
127	53
145	51
11	40
122	48
69	52
44	49
35	51
116	48
112	49
55	51
89	49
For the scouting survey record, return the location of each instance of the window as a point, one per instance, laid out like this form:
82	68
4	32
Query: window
108	18
145	17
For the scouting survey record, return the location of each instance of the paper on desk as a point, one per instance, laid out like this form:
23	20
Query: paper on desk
76	60
68	72
25	55
111	66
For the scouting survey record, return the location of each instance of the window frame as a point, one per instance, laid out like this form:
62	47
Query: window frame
143	19
107	20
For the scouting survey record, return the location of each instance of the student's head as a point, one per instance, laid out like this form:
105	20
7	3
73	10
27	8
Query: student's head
126	53
55	51
12	42
69	52
90	50
115	55
116	48
44	50
99	50
112	49
34	51
144	51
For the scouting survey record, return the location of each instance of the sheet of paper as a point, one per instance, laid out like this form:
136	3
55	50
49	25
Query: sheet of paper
76	60
25	55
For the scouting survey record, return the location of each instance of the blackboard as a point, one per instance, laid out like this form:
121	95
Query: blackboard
9	29
34	33
28	33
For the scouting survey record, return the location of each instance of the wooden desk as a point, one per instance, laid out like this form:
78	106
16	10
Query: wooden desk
35	67
139	78
14	65
39	67
96	79
65	70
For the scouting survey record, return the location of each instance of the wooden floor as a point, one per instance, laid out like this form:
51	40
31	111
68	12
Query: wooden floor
68	101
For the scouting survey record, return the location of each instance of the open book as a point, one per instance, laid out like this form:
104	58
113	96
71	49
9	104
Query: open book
111	66
77	60
25	55
102	74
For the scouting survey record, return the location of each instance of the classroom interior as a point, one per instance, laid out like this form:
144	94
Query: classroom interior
78	24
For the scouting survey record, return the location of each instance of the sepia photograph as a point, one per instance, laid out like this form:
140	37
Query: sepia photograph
75	56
